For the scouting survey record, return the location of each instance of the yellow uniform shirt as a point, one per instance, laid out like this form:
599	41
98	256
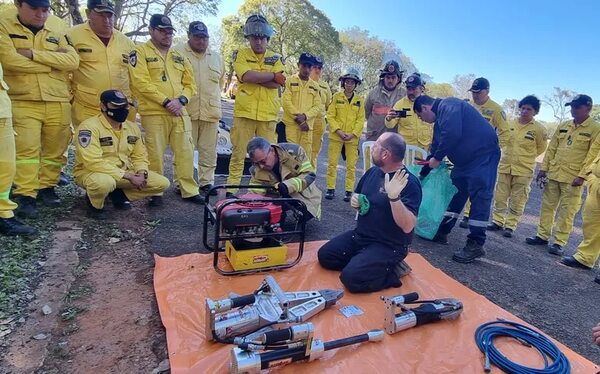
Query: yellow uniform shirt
301	97
526	143
348	116
53	21
209	71
493	113
252	100
572	150
100	67
101	149
44	77
156	78
326	94
5	108
413	130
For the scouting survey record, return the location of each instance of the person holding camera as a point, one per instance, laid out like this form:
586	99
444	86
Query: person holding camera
414	131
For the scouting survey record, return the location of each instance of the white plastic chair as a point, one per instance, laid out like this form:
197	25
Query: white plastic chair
366	154
412	152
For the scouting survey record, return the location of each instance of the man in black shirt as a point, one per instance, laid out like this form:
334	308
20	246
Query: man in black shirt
388	199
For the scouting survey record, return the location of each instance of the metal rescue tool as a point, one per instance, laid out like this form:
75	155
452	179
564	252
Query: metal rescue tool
241	318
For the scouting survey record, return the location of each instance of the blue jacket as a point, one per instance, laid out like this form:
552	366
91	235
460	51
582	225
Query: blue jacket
461	133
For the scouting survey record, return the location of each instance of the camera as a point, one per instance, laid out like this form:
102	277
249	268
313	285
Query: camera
402	113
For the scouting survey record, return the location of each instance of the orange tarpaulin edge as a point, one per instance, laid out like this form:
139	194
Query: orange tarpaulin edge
182	284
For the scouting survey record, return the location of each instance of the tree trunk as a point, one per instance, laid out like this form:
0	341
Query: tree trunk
74	11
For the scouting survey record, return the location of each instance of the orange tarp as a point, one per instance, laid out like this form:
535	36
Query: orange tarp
182	284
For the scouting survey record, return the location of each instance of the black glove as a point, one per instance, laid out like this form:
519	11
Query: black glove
283	190
425	170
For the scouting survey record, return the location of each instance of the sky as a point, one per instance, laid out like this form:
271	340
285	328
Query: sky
523	47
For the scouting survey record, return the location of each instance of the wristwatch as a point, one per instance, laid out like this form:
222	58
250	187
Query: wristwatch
183	100
394	200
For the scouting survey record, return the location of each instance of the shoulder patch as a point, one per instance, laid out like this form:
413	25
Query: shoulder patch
133	58
503	115
132	139
84	136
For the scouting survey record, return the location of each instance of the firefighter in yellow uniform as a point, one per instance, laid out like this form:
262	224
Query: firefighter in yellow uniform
9	225
53	21
516	168
205	107
103	59
301	104
260	75
295	177
563	172
111	158
346	117
413	130
494	114
163	81
319	123
36	58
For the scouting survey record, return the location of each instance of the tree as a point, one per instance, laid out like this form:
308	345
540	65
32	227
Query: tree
595	112
511	108
557	100
462	83
439	89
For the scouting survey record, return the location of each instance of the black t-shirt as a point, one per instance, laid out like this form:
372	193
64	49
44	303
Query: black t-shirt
378	224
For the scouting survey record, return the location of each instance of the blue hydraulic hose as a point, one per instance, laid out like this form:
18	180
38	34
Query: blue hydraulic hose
554	360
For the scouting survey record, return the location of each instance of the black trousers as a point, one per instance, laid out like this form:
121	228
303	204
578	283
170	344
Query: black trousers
365	266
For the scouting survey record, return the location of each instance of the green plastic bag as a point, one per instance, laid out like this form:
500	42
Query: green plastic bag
438	190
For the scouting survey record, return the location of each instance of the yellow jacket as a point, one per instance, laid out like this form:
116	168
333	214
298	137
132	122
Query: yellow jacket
413	130
572	150
44	77
494	114
5	109
252	100
301	97
346	116
155	78
209	70
526	143
101	149
296	173
326	94
53	21
100	67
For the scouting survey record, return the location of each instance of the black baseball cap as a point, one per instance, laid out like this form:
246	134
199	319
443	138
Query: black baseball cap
480	84
307	59
580	100
38	3
198	28
114	97
160	21
318	61
414	80
101	6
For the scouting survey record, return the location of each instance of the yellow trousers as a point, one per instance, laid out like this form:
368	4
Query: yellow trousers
333	155
568	201
317	139
589	249
204	137
7	167
510	198
43	133
302	138
242	131
160	131
99	185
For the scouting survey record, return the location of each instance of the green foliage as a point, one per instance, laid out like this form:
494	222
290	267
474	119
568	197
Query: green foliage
595	112
511	108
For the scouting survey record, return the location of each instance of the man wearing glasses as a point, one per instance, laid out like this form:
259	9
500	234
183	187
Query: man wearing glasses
163	81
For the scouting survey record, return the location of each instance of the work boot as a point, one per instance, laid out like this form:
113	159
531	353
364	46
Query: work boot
12	227
571	261
64	179
464	223
48	197
469	253
536	240
177	190
493	227
119	199
555	249
402	269
95	213
26	207
156	201
329	194
508	233
196	199
205	189
440	238
347	196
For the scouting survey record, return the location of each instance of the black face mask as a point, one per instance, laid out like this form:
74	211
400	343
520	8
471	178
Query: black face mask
118	115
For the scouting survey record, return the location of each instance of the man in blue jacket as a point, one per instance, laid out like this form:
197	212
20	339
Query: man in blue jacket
471	144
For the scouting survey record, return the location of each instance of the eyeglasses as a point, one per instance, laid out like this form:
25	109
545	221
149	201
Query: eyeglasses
262	162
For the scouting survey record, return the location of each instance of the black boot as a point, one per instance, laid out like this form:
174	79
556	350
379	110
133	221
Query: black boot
440	238
95	213
205	189
330	194
26	207
464	224
156	201
508	233
469	253
119	199
12	227
196	199
535	240
48	197
347	196
493	227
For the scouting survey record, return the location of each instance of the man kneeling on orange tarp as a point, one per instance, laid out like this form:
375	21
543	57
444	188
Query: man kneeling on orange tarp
387	197
111	159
